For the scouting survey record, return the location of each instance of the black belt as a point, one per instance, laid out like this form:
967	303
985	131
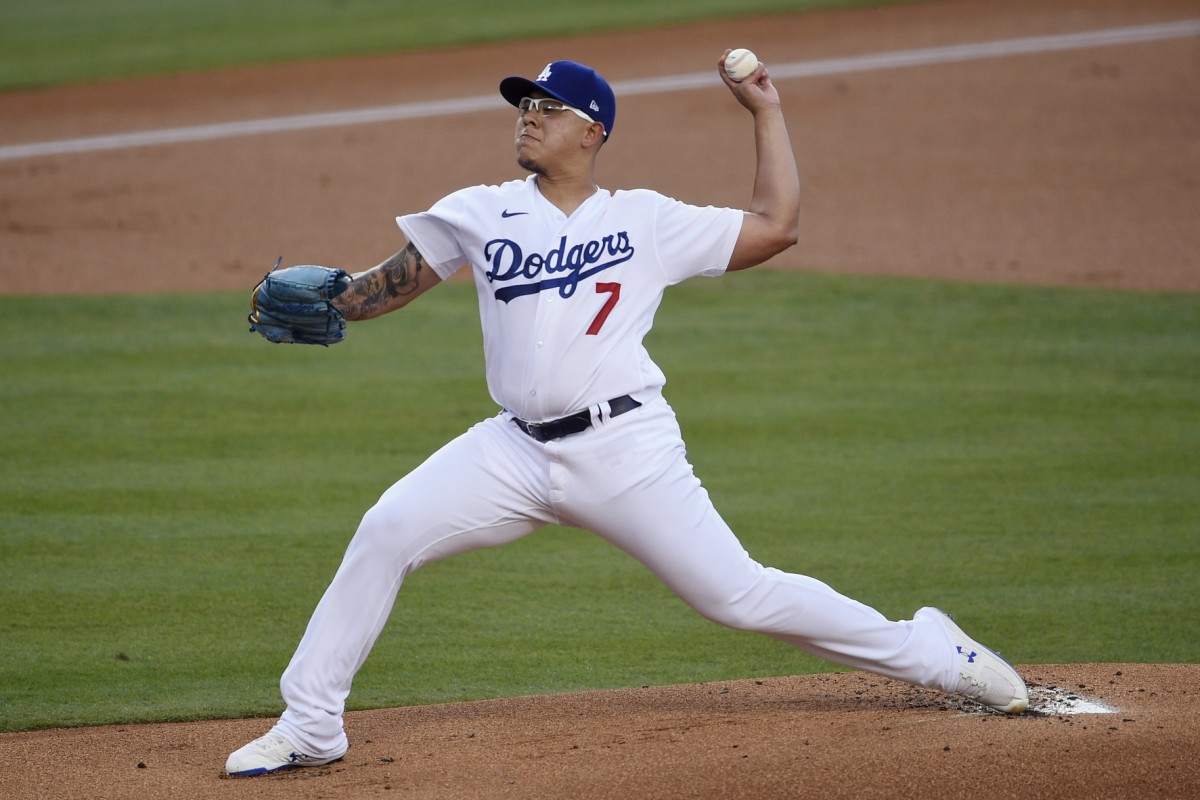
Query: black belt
575	423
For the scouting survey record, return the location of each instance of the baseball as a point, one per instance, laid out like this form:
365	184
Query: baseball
740	63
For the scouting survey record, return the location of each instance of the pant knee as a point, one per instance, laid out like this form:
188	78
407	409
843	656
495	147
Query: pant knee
738	612
768	604
730	616
383	539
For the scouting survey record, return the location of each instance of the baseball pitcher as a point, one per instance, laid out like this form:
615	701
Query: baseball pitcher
569	277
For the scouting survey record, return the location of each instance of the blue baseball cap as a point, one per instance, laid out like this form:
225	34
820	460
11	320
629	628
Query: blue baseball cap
575	84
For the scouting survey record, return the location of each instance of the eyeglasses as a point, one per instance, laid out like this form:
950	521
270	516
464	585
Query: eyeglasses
548	107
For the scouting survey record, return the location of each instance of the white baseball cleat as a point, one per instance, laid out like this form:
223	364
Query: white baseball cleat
271	753
984	676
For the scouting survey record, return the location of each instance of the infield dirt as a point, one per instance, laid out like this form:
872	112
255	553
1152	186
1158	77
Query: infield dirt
1076	167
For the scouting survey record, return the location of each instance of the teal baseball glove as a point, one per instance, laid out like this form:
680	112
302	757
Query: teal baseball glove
293	305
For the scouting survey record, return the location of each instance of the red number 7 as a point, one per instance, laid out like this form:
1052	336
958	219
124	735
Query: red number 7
614	294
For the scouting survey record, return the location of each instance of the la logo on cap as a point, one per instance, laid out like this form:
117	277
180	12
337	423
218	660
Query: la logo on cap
544	75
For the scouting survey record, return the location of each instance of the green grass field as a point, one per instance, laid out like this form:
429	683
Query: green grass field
176	492
44	42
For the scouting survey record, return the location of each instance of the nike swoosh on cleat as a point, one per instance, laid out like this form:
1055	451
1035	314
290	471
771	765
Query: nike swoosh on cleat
506	213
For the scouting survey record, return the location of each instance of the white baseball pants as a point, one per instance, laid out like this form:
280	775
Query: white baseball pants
629	481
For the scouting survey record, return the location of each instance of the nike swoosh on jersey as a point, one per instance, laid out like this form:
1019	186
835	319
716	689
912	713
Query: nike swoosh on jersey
506	213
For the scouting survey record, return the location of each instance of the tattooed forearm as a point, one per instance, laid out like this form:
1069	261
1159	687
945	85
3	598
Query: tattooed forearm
403	271
384	288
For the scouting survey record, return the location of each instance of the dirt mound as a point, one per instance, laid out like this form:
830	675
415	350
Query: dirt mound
1093	731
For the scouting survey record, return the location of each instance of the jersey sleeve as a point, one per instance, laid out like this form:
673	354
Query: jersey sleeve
435	233
695	240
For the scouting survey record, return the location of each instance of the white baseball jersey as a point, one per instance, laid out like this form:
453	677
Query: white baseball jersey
566	301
